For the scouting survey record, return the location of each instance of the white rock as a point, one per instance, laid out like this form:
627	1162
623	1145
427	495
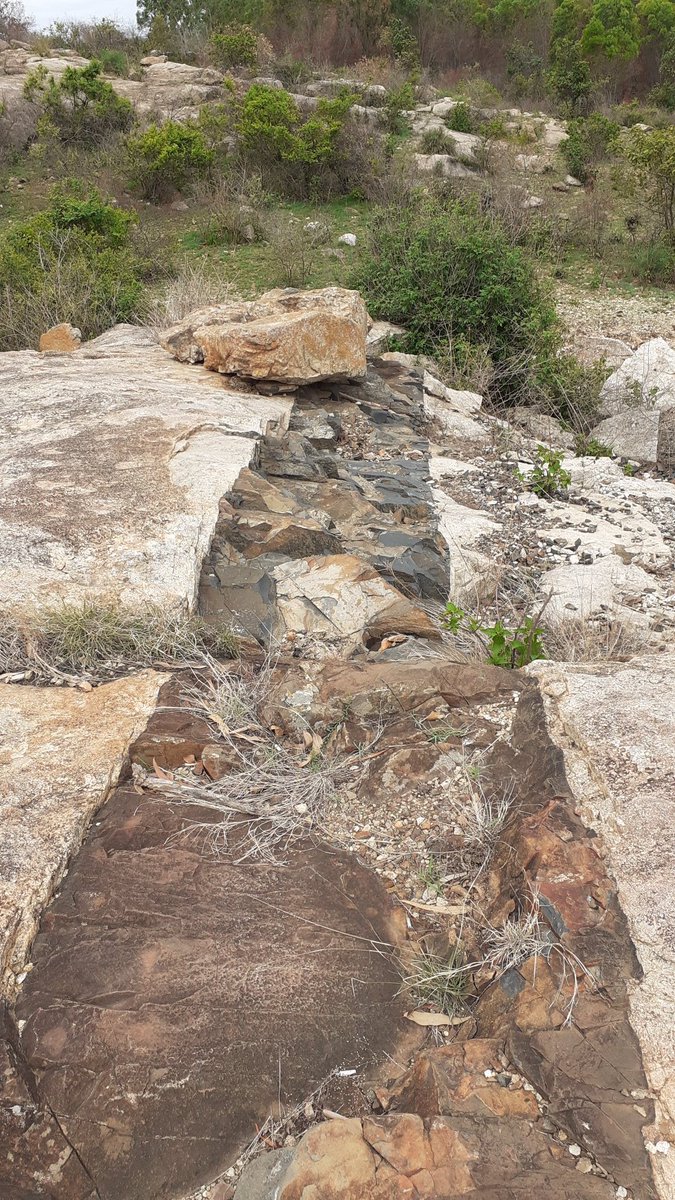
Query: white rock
347	239
116	457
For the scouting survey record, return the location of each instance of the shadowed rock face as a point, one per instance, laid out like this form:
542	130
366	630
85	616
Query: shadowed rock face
175	996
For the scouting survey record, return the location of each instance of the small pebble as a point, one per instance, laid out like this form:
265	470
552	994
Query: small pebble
574	1149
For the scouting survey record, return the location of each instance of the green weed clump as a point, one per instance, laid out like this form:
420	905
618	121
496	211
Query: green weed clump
504	647
451	275
234	46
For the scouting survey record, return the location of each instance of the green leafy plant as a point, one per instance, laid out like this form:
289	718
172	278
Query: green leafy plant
548	476
166	158
652	155
114	62
504	646
82	108
451	276
589	141
399	101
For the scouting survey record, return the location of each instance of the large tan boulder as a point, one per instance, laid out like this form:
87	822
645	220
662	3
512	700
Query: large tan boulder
286	336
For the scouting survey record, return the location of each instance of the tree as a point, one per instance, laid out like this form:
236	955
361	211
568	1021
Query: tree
14	21
612	31
570	75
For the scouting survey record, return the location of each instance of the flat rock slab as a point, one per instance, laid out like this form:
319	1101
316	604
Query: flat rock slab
60	753
176	997
114	459
615	726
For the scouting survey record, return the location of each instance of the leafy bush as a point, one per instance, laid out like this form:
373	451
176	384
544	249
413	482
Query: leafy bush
569	78
461	118
166	158
71	262
234	46
449	274
83	108
652	155
589	141
292	72
399	101
511	648
297	155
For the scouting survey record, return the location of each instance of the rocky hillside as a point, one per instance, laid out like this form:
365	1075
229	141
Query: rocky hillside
314	884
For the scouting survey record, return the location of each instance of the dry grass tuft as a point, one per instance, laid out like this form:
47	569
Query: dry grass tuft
593	639
90	639
193	287
275	793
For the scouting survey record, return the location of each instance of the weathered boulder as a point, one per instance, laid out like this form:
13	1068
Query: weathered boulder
62	751
61	339
646	379
442	164
286	336
113	463
458	400
633	433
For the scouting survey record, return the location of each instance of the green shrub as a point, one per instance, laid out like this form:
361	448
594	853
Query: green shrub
404	45
83	108
569	78
114	62
71	262
399	101
652	156
449	274
297	155
590	140
234	46
167	158
461	118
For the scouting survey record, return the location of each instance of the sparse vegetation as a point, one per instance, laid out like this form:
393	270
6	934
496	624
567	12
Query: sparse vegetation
548	476
503	646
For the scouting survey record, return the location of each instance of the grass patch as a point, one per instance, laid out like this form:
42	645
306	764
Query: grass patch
91	638
444	984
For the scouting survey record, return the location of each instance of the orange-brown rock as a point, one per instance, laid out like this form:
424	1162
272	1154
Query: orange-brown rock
61	339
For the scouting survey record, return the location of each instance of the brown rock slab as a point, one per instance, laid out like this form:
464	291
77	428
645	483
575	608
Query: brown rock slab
61	339
171	991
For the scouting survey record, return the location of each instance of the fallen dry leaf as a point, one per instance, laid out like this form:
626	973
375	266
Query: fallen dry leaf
419	1017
